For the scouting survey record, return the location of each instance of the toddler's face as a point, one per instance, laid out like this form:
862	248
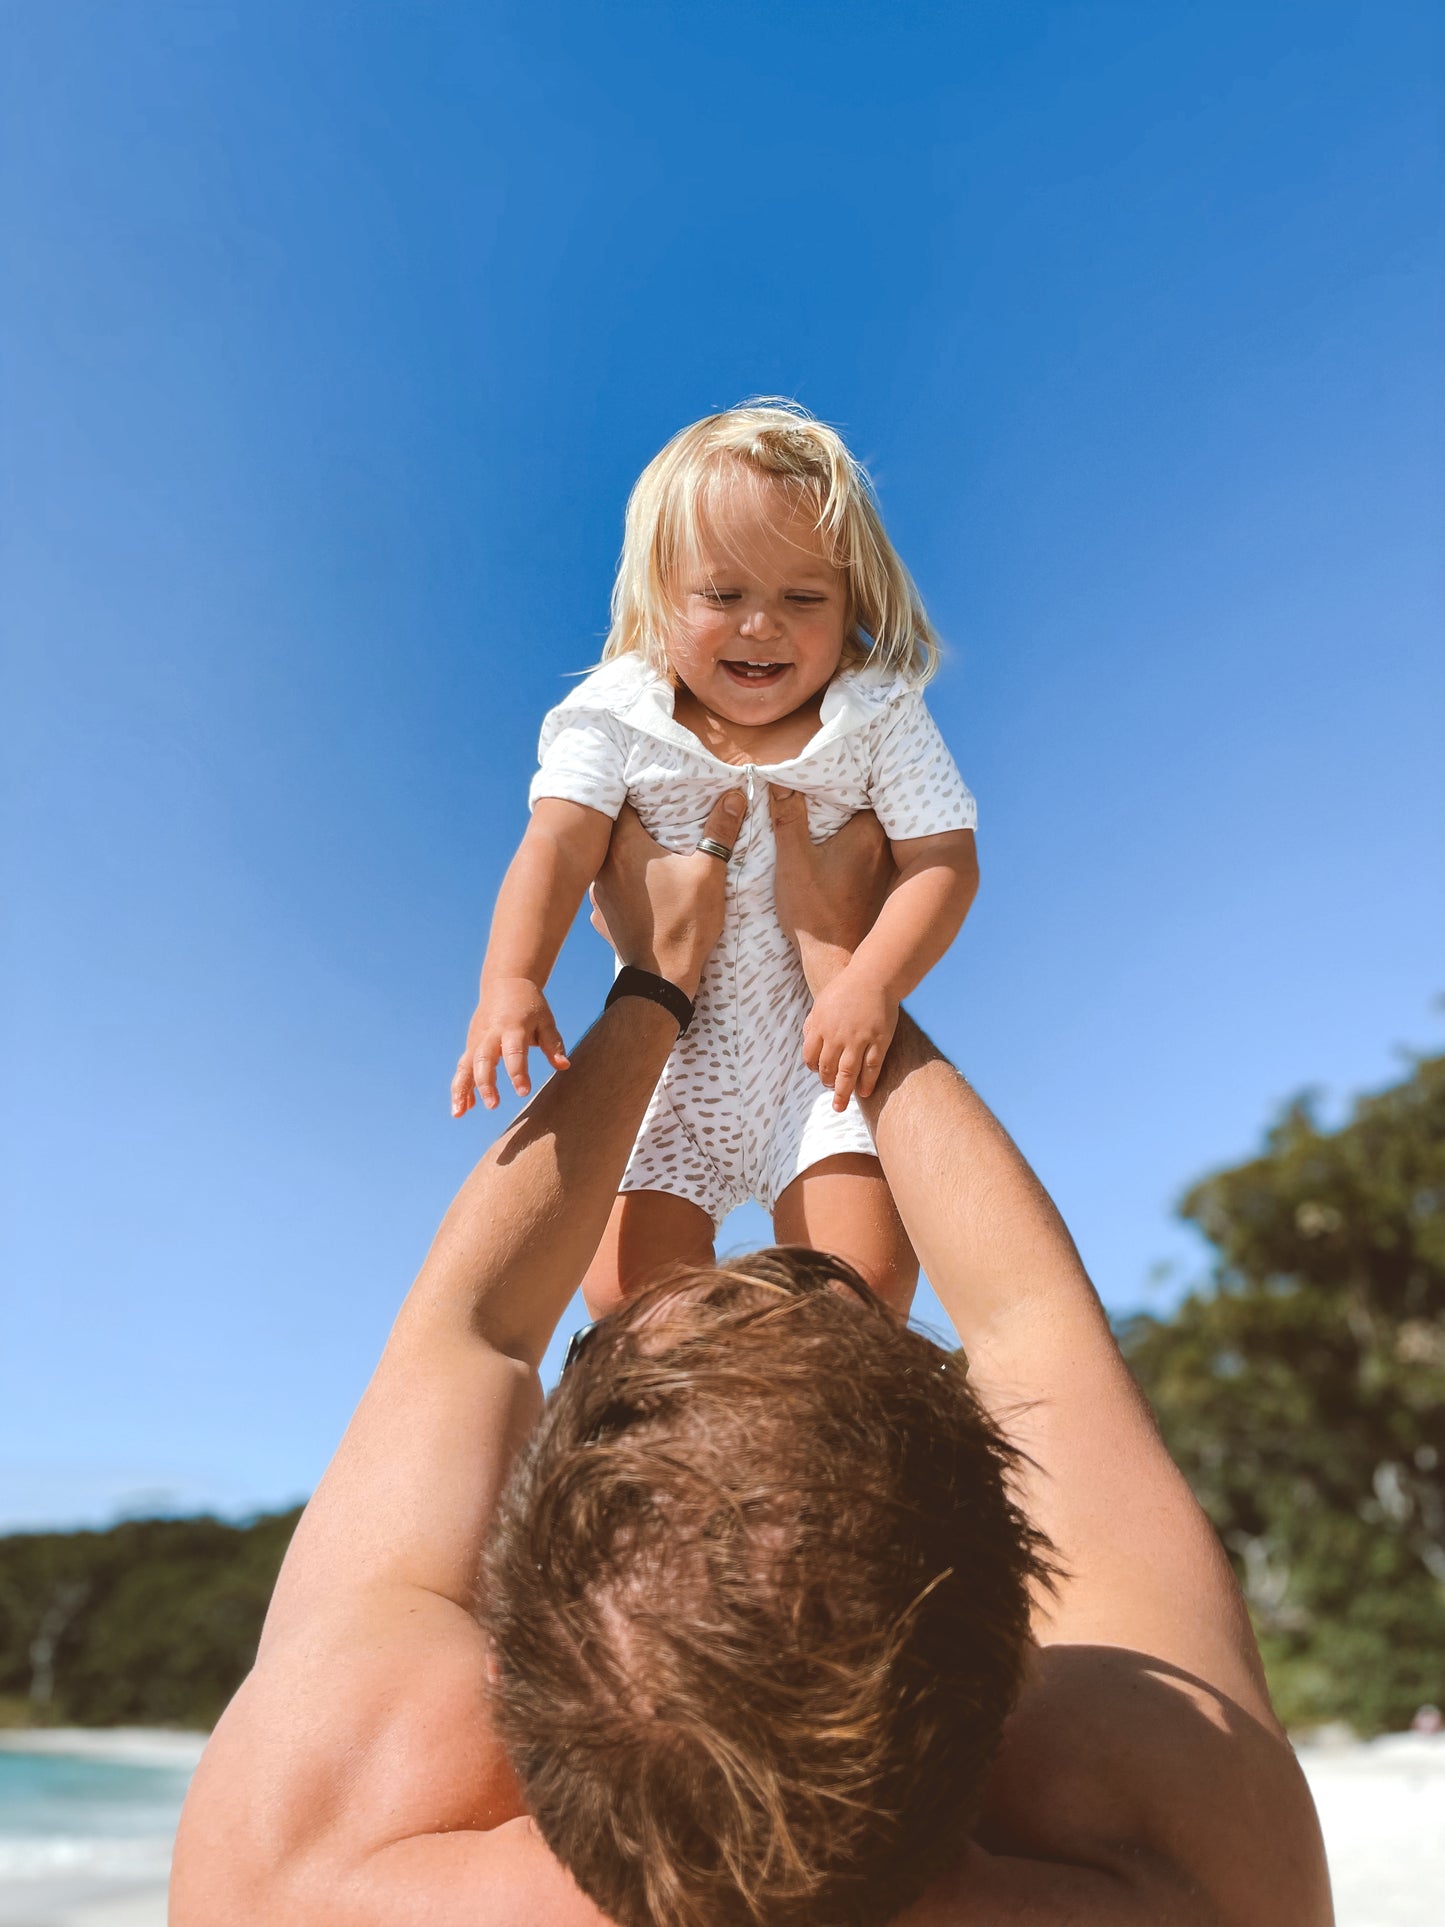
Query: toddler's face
763	611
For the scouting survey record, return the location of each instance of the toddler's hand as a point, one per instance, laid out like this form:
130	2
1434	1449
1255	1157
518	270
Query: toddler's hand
847	1035
512	1016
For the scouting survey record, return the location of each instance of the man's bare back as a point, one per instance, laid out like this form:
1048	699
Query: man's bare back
356	1781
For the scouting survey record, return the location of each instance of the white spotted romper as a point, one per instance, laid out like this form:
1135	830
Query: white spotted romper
737	1114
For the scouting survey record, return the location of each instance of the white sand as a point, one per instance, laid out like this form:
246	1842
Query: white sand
1381	1804
55	1903
1382	1808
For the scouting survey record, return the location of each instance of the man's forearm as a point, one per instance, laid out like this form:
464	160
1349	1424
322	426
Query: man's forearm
986	1232
522	1230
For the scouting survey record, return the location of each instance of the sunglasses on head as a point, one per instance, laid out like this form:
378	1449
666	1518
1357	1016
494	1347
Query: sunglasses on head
577	1344
583	1336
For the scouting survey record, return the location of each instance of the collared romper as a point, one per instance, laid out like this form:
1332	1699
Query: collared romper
737	1114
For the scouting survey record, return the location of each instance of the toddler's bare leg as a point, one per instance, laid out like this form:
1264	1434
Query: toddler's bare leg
647	1232
843	1205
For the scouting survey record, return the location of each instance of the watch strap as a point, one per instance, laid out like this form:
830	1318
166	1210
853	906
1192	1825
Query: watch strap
633	982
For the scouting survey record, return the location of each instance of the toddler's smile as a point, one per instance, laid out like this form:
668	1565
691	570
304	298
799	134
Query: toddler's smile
762	610
756	674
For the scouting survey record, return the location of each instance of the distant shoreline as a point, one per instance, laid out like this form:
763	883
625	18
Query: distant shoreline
124	1745
1381	1805
174	1747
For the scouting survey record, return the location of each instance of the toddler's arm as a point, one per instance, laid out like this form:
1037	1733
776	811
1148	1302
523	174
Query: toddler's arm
563	849
851	1025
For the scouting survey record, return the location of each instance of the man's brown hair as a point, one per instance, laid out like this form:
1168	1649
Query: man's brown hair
759	1599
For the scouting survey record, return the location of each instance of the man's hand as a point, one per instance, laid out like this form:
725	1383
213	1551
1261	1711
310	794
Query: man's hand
511	1017
828	894
662	912
848	1031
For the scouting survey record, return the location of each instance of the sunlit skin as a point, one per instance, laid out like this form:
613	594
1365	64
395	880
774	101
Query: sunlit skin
762	589
762	616
357	1779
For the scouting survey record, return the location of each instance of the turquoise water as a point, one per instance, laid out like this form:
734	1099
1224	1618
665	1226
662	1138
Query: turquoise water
61	1814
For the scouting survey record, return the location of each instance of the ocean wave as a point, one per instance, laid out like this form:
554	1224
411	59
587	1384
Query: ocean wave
43	1856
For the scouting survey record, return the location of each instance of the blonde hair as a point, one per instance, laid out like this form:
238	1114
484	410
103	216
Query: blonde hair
774	438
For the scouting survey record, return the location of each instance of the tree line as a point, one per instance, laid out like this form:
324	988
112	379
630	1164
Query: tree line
1300	1385
1302	1389
153	1622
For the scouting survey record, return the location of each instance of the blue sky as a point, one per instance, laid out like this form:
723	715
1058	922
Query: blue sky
334	338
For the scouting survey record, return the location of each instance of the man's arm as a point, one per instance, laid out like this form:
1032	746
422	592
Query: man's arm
1144	1567
363	1729
1142	1777
412	1486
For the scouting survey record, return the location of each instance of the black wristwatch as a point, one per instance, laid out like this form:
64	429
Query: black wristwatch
632	982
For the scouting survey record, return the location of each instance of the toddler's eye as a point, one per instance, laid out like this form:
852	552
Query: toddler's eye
718	595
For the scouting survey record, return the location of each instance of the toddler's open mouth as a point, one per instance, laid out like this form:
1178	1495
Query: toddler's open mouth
755	675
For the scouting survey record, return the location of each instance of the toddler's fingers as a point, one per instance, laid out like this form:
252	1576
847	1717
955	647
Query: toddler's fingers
847	1077
872	1067
549	1041
812	1048
462	1095
484	1076
514	1056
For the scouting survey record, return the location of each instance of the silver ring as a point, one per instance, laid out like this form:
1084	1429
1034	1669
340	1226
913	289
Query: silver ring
709	846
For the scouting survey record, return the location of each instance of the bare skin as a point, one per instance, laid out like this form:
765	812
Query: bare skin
761	618
762	615
355	1781
1143	1777
841	1204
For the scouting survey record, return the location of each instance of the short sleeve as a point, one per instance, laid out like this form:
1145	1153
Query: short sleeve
582	758
914	785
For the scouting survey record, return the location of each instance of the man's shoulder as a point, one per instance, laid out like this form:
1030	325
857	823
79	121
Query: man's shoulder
309	1777
1121	1763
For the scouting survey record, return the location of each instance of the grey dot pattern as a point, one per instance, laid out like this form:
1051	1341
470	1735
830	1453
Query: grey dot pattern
737	1114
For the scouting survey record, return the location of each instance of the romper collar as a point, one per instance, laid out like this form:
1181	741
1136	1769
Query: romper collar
630	688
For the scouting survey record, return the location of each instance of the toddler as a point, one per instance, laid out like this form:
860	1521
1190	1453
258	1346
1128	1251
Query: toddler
765	634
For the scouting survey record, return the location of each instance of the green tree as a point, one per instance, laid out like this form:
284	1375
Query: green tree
1302	1390
154	1621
